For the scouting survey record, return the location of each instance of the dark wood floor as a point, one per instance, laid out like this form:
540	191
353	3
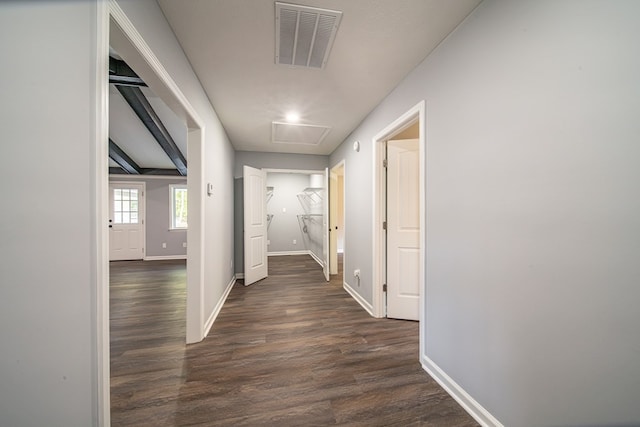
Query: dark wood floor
291	350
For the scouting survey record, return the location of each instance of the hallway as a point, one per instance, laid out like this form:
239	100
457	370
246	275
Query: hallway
289	350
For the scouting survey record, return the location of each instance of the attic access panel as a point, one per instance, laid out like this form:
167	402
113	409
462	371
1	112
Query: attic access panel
304	35
288	133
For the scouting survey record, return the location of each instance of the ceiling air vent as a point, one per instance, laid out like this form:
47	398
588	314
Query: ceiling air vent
304	35
287	133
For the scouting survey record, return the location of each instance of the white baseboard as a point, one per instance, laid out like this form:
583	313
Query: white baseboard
214	314
239	276
356	296
477	411
164	257
315	257
286	253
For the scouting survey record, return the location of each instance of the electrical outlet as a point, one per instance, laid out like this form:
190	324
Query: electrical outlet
284	210
356	273
295	242
164	246
184	244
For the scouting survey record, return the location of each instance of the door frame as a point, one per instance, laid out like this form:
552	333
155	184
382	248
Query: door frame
129	43
143	185
340	164
114	28
304	172
413	115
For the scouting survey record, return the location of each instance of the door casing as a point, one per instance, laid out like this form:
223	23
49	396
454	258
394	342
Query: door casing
413	115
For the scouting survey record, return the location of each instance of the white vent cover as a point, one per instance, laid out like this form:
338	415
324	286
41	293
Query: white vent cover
287	133
304	35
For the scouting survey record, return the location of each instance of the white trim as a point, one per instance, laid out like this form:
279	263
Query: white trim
195	237
318	260
468	403
287	253
172	206
164	257
99	149
415	114
356	296
216	311
117	177
239	276
342	163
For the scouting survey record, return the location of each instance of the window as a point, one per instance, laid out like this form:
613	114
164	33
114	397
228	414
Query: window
178	207
125	206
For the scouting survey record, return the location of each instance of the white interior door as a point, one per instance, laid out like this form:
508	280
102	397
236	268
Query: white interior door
403	229
126	221
255	225
325	226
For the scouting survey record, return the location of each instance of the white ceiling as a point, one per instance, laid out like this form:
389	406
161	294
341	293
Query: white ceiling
231	46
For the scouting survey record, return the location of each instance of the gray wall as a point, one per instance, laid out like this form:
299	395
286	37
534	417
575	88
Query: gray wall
533	219
279	161
158	217
47	296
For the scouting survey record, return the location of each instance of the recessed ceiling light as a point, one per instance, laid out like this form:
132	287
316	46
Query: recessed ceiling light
292	117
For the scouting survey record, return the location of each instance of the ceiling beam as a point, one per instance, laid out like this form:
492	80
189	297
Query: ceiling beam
123	160
146	172
140	105
121	74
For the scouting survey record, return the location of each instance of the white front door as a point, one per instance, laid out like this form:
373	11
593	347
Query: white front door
403	229
255	225
126	221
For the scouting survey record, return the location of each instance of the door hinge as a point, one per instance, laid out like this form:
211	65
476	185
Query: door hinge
384	163
384	225
384	288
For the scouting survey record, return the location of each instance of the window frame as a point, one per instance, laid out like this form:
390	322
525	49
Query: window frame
172	206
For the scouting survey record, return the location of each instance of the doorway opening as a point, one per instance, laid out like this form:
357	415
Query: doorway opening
285	212
406	187
336	219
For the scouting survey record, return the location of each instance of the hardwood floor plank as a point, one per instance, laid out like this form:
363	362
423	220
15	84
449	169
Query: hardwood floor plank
290	350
